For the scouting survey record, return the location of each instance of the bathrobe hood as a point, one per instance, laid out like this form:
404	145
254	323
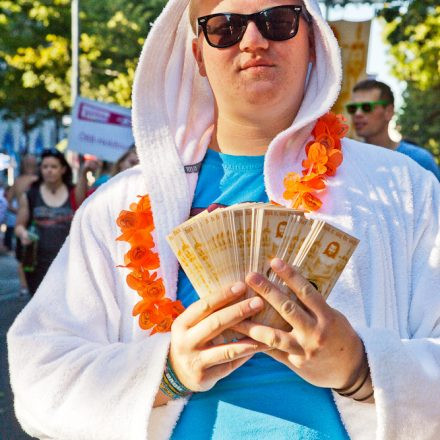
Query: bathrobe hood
173	106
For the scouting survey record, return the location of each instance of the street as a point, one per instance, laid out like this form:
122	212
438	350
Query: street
10	306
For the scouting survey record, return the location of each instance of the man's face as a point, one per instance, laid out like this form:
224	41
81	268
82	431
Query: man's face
332	250
255	71
368	125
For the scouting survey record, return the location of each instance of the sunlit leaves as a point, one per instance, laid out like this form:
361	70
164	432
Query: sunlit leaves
35	46
413	33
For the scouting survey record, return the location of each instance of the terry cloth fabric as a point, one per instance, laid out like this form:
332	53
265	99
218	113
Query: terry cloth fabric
263	398
420	155
81	368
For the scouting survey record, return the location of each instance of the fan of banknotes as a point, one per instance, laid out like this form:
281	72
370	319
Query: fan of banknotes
220	248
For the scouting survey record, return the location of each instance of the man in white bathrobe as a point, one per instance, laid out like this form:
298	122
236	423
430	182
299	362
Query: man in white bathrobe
264	72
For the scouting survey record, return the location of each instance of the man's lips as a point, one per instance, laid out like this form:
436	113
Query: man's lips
359	125
256	63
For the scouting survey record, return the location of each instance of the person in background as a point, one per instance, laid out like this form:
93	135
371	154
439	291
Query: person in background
82	188
127	160
49	205
104	174
10	219
28	175
3	210
371	110
107	170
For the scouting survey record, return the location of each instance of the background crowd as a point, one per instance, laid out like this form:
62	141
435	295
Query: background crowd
37	210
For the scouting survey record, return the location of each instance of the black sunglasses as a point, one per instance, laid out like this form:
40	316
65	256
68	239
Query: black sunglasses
226	29
366	107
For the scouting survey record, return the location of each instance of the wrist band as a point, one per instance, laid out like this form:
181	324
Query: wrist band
363	399
342	392
171	385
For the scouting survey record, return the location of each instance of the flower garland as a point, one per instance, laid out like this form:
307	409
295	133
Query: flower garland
324	156
155	311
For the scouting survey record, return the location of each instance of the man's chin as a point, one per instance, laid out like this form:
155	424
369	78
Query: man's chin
260	92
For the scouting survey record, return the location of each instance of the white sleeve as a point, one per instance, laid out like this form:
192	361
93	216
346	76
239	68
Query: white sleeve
71	375
406	372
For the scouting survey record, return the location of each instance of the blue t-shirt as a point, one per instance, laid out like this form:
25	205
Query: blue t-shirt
263	399
421	156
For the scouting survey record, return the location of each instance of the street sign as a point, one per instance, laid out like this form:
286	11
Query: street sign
100	129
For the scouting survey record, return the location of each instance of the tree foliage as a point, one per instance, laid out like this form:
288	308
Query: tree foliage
35	57
420	117
413	32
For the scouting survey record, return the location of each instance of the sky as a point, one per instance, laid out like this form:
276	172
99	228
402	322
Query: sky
378	61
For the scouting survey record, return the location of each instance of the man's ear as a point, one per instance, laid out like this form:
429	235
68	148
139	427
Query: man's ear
198	55
389	112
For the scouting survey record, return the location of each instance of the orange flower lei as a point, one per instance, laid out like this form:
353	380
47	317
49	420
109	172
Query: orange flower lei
155	311
324	156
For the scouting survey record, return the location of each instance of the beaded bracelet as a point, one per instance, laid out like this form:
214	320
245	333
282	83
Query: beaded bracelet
171	385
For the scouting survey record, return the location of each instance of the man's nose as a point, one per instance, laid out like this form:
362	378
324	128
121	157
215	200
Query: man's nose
253	39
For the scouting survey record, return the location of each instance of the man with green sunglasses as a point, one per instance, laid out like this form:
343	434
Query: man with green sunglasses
371	110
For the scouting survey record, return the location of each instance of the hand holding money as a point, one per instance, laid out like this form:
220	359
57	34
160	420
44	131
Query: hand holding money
196	360
322	347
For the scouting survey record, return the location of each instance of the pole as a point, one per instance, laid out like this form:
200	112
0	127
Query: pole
75	87
327	10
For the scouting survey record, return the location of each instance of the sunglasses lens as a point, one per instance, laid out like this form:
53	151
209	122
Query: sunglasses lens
366	107
225	30
351	109
279	23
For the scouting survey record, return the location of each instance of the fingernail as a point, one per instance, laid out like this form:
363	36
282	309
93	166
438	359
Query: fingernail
238	288
256	279
277	264
256	303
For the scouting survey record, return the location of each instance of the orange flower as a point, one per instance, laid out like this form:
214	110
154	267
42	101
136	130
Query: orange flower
298	189
333	126
324	156
327	141
156	289
136	280
158	315
335	159
134	220
144	205
314	181
311	202
173	308
145	320
164	325
316	159
141	256
126	220
146	305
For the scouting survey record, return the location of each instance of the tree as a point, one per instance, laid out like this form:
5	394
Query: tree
413	33
420	117
35	59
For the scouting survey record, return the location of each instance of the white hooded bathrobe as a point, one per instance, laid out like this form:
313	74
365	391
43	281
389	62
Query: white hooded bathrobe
81	368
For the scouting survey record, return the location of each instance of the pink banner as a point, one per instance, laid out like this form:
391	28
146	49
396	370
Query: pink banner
92	113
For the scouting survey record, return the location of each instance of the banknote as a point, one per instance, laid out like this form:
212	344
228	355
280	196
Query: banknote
219	248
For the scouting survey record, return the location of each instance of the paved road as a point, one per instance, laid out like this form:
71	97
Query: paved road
10	306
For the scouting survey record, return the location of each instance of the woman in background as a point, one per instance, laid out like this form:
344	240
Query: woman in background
48	205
